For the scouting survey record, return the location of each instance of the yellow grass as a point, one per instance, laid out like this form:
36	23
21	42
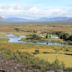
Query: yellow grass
37	27
52	52
67	60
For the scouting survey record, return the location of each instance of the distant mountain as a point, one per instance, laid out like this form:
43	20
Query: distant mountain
14	19
41	19
1	18
57	19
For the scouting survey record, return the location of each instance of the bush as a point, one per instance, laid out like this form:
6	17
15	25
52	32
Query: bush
36	51
34	37
57	65
31	62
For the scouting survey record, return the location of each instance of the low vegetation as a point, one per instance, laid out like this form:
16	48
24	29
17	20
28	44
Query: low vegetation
27	62
19	57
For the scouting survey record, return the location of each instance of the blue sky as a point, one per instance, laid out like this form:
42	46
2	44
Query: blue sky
36	7
44	3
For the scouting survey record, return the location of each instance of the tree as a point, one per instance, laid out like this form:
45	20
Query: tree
70	38
34	37
46	36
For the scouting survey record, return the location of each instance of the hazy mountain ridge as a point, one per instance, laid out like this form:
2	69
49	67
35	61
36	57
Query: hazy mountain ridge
41	19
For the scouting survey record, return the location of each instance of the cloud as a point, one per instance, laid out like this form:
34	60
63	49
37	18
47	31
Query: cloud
33	11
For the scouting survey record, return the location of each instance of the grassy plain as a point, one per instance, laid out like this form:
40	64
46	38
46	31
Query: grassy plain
47	53
65	27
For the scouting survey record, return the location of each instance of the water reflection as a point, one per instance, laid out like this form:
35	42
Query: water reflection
50	43
12	38
17	40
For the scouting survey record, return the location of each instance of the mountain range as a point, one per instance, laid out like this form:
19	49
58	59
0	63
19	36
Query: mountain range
40	19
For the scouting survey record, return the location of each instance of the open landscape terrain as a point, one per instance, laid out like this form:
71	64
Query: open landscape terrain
35	35
34	47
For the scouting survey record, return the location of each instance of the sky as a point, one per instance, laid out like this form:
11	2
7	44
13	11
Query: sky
35	8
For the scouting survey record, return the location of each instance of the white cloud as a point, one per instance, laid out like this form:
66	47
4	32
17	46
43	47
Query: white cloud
33	11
